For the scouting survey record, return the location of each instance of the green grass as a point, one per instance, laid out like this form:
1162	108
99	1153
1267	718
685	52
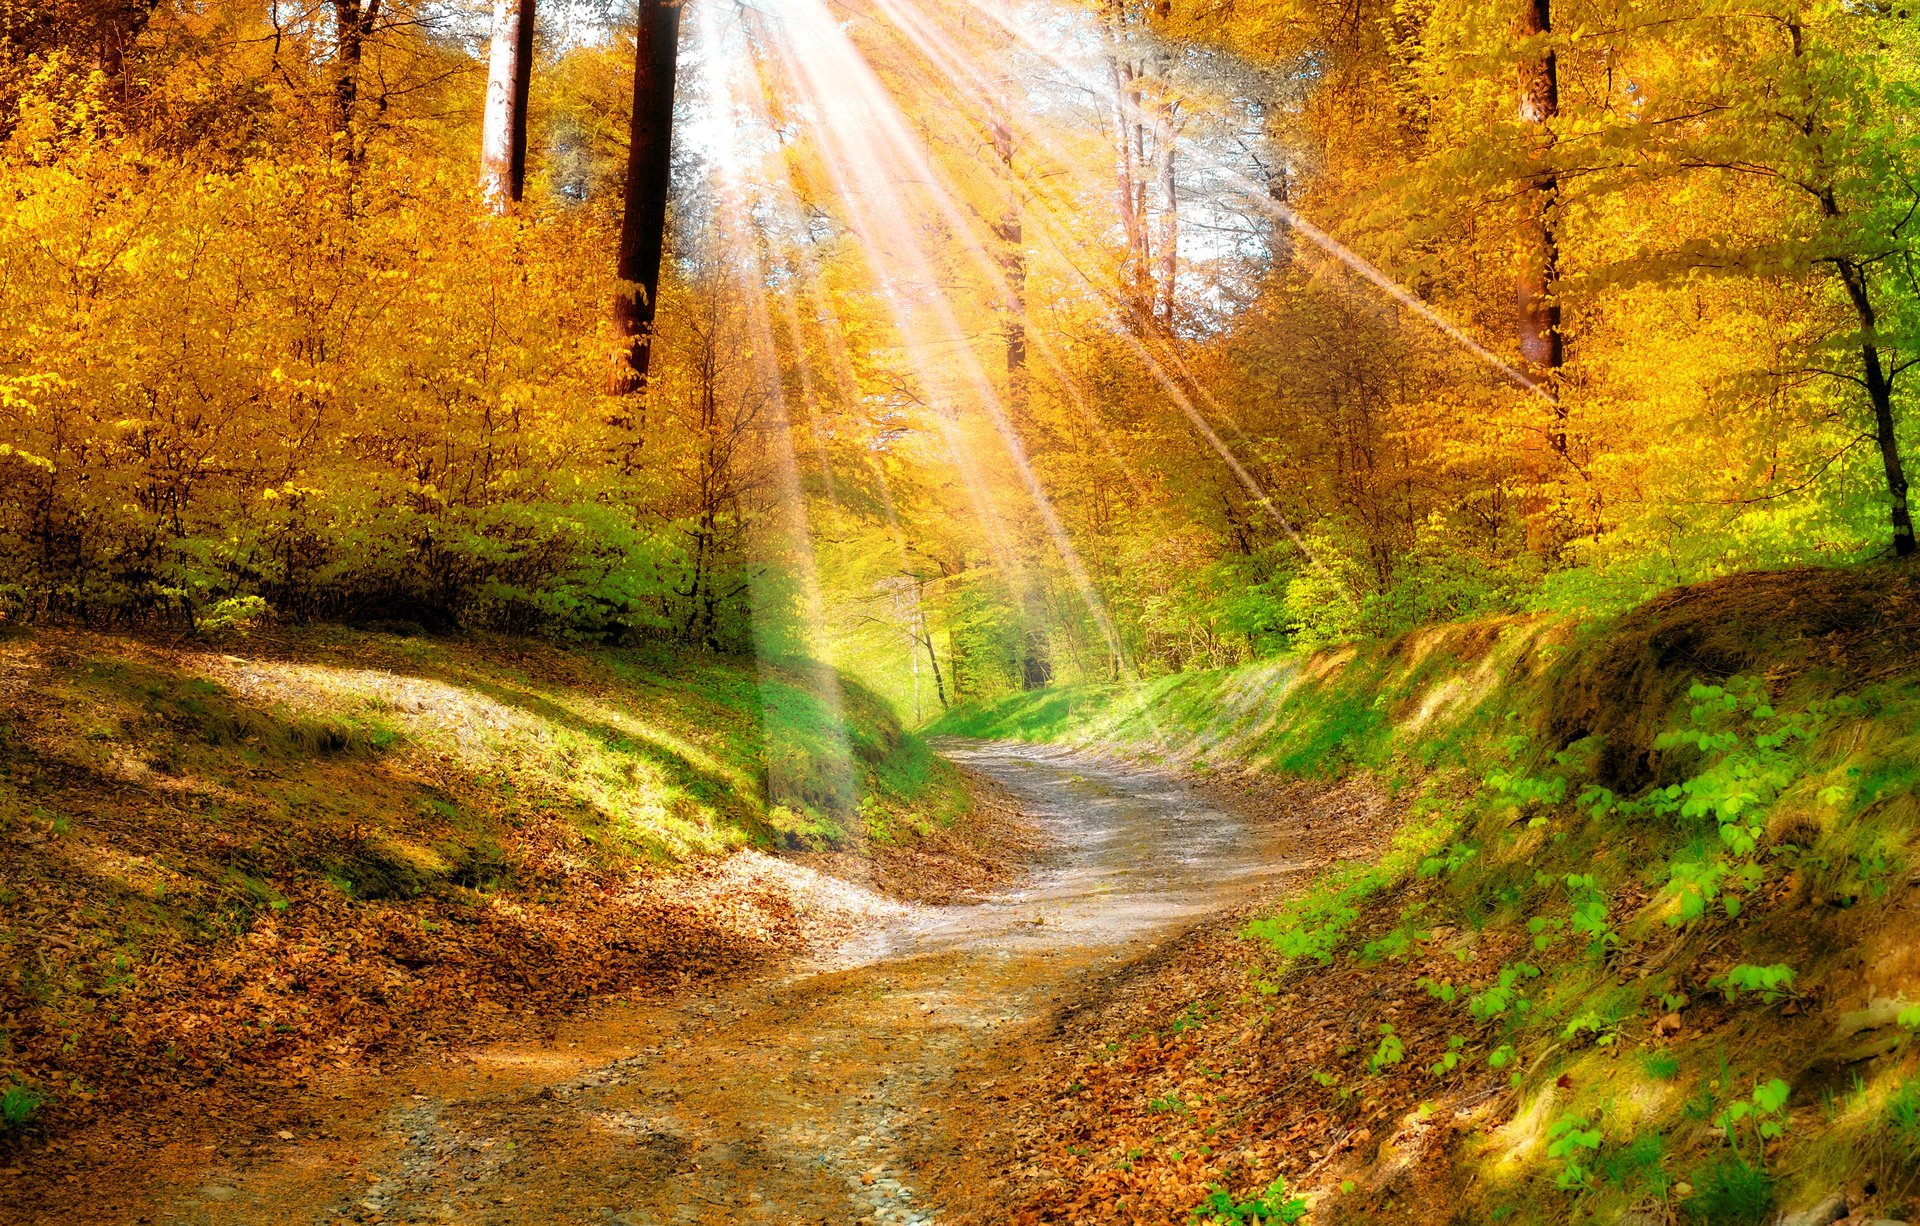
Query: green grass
18	1105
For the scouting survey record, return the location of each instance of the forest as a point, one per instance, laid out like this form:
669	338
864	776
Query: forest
997	346
564	500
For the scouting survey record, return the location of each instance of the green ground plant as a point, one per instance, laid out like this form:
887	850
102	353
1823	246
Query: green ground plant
1274	1205
18	1105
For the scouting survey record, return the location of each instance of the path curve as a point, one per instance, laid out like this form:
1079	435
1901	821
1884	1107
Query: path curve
787	1098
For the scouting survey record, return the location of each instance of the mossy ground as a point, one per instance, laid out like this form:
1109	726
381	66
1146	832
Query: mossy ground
1535	1000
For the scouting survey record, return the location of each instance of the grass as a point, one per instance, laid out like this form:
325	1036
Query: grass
1732	1192
18	1105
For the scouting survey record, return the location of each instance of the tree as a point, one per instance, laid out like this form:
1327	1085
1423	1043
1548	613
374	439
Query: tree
1807	115
503	137
1537	237
656	58
353	25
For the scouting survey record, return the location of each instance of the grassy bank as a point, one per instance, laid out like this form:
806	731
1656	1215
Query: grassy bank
252	862
1642	942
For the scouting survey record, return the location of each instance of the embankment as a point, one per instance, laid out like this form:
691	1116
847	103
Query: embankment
1639	939
228	870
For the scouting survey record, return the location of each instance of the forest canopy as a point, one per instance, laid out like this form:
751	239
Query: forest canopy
991	344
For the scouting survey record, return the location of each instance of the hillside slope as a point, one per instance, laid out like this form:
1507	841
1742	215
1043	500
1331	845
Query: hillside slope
1642	945
232	868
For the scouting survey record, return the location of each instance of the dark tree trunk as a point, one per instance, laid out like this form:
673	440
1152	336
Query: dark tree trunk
1541	346
352	23
503	140
1280	237
1012	257
1880	393
643	230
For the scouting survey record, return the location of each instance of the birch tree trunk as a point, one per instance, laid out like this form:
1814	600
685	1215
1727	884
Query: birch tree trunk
503	136
1167	258
1129	183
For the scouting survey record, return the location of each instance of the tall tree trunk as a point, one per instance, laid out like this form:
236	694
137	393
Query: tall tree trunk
1541	345
923	637
1280	237
1012	257
1036	649
503	137
1166	138
656	62
1129	183
352	24
1880	393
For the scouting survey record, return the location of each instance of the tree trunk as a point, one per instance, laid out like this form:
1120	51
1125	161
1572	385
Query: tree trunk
352	23
503	138
1166	136
1541	346
923	637
1129	185
1880	393
1012	256
643	230
1280	237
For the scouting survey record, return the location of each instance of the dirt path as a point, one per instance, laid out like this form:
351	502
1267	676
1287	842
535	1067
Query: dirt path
793	1098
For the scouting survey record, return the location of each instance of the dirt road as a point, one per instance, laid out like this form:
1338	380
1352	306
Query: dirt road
793	1098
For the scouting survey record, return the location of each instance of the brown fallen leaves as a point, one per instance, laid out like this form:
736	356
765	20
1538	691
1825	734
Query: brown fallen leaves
178	934
1173	1075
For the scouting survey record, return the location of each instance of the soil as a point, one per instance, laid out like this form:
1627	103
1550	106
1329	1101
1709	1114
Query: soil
853	1084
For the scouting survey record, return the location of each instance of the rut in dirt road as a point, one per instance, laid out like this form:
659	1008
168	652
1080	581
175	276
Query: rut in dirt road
790	1098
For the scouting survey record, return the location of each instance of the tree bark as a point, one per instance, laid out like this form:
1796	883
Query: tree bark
1166	136
643	230
1012	257
352	24
503	138
1166	139
1542	348
1129	184
1280	237
1880	393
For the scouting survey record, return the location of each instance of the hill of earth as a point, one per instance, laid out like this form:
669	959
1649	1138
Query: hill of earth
1610	920
226	869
